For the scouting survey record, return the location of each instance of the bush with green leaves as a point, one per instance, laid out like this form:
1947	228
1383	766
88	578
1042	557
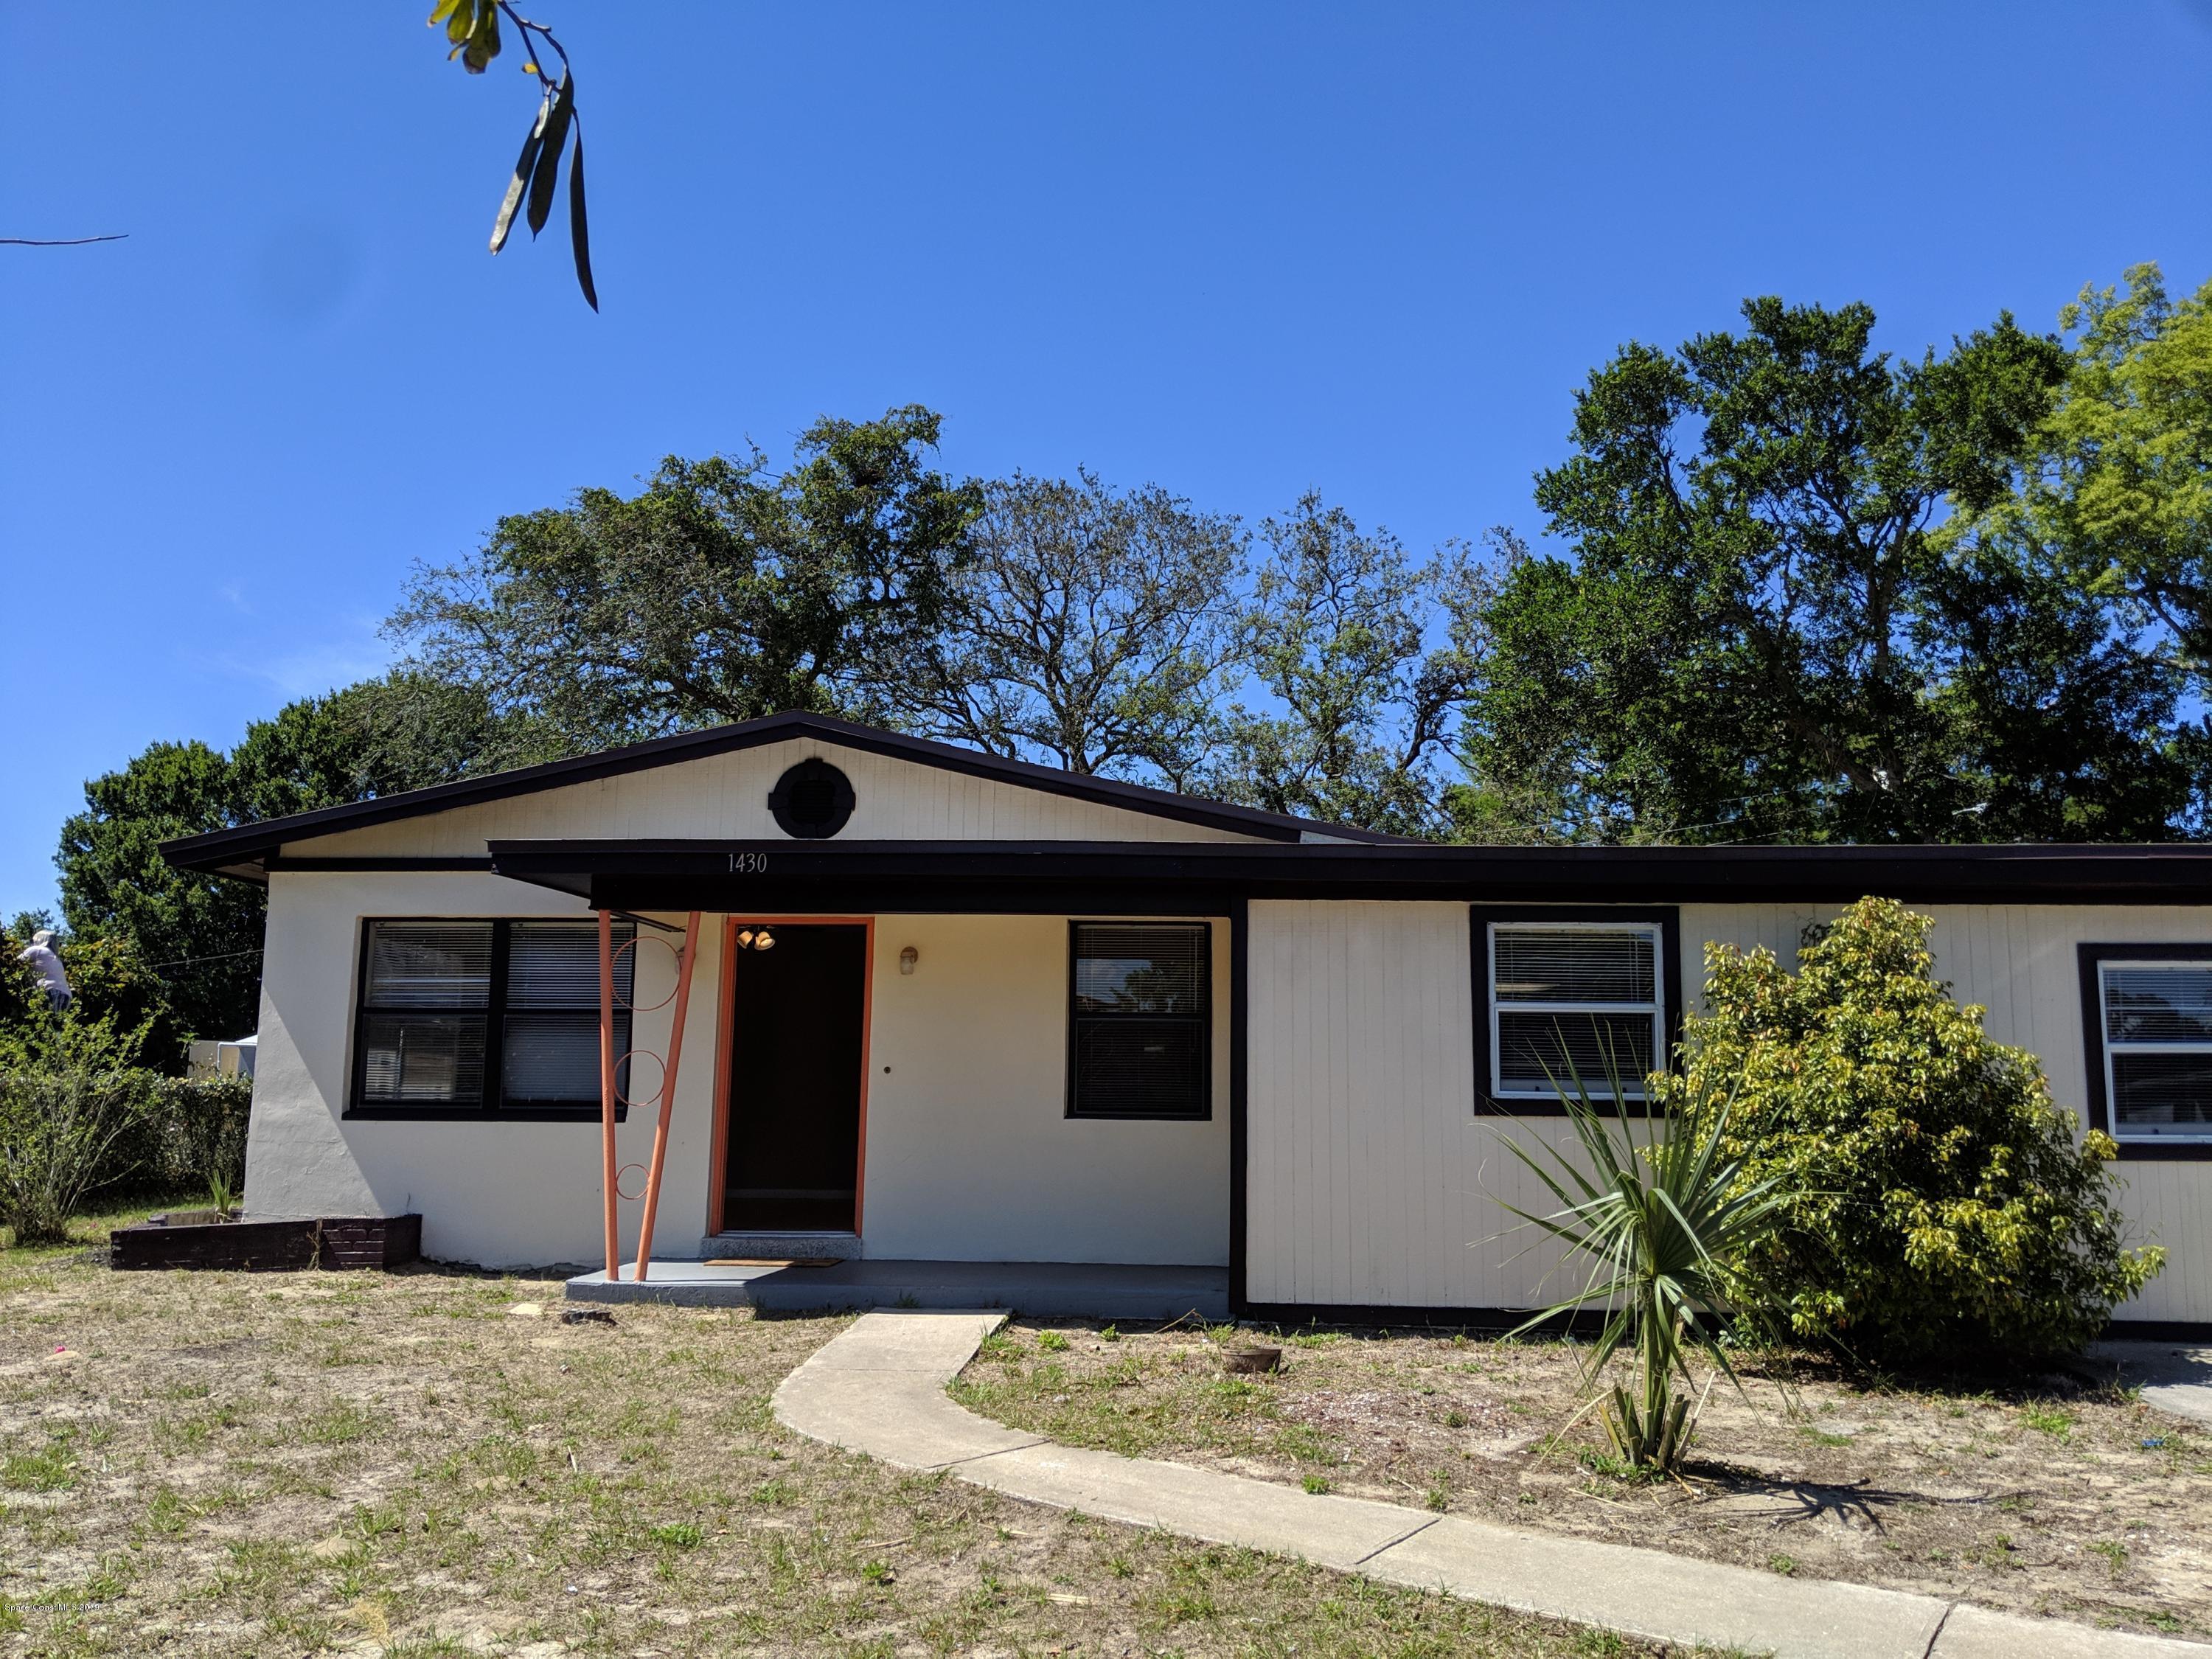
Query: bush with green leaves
1940	1204
80	1112
190	1134
71	1090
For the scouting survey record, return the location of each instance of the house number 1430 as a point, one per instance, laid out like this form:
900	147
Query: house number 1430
748	864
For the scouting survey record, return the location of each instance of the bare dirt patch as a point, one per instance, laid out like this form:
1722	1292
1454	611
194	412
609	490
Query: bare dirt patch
395	1464
2057	1495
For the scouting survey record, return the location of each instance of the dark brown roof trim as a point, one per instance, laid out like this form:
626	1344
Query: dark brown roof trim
1019	875
227	851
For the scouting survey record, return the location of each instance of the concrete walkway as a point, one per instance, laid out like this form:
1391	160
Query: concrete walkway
2173	1376
879	1388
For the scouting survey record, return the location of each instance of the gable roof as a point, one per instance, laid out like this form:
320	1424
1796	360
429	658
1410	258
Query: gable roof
245	850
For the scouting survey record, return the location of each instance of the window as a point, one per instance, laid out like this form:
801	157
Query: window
2147	1014
1139	1037
470	1018
1563	998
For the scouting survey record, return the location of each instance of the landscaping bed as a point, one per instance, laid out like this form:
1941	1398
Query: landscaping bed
208	1239
429	1462
2054	1496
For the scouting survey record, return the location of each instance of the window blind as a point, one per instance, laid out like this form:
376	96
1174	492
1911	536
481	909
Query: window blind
481	1015
1581	1004
1139	1044
2157	1023
1558	964
430	964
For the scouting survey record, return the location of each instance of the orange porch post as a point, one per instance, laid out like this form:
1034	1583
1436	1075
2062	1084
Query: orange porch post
667	1092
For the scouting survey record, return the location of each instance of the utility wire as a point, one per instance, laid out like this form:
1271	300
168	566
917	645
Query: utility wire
187	961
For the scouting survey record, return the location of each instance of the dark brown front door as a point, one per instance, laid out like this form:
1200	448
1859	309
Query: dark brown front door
795	1040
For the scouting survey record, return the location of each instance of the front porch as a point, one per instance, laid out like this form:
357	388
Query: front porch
1049	1290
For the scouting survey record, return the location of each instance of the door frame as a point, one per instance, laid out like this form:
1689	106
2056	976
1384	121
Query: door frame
725	1007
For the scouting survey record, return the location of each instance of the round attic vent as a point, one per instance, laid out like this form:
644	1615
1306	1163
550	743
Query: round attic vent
812	801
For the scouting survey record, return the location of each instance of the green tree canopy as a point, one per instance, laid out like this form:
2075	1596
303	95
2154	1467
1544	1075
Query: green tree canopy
200	936
720	592
2118	495
202	933
1763	635
1362	699
1091	631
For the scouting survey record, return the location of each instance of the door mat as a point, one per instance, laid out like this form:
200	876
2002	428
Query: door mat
771	1261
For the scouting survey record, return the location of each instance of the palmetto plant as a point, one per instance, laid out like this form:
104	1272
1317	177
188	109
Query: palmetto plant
1665	1225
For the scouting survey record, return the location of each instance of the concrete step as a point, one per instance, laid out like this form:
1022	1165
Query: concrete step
1047	1290
776	1247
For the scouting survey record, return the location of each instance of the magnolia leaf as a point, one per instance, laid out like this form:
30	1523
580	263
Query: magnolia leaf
459	17
580	235
547	173
530	69
523	165
483	40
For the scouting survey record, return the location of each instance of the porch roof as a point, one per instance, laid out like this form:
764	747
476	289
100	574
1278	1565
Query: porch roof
876	876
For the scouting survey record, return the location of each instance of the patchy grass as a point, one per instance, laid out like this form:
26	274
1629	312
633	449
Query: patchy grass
2058	1496
402	1465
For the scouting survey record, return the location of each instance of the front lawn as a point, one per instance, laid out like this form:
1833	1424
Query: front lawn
2051	1495
430	1463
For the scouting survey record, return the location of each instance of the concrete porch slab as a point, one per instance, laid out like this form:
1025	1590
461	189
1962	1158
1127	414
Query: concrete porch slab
1049	1290
2174	1376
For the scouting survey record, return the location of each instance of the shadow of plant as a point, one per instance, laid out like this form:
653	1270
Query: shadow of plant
1847	1503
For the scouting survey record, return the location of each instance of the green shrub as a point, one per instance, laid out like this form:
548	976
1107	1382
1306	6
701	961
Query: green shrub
81	1113
58	1131
190	1133
1939	1204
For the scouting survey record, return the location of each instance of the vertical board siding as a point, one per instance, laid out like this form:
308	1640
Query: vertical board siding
1371	1180
725	797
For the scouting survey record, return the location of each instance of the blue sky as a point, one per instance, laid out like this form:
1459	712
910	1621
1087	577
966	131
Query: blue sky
1241	251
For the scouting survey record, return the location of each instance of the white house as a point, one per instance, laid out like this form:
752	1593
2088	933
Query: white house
950	1008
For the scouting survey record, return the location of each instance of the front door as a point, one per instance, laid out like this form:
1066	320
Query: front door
796	1034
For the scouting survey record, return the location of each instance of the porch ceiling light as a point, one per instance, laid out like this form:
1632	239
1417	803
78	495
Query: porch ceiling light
755	939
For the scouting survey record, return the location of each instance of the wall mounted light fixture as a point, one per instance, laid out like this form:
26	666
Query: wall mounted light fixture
908	957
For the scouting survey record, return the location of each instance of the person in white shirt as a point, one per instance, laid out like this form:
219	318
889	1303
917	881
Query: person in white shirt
46	967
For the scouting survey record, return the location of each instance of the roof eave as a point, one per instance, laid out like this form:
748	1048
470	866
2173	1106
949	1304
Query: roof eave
238	851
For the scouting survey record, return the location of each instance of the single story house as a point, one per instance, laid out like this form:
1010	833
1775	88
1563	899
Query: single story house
948	1007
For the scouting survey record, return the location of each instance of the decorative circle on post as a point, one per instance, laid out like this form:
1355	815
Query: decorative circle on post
631	1095
628	1198
812	801
675	958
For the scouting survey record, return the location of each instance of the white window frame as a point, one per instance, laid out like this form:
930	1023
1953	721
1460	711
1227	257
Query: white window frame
1634	1088
2197	1137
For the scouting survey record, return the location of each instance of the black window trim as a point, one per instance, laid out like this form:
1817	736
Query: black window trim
1483	917
1205	1115
490	1109
2091	957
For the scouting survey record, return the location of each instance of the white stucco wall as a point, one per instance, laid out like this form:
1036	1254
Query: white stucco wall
968	1154
502	1194
1371	1180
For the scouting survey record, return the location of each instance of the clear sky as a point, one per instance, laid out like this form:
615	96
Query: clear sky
1238	250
